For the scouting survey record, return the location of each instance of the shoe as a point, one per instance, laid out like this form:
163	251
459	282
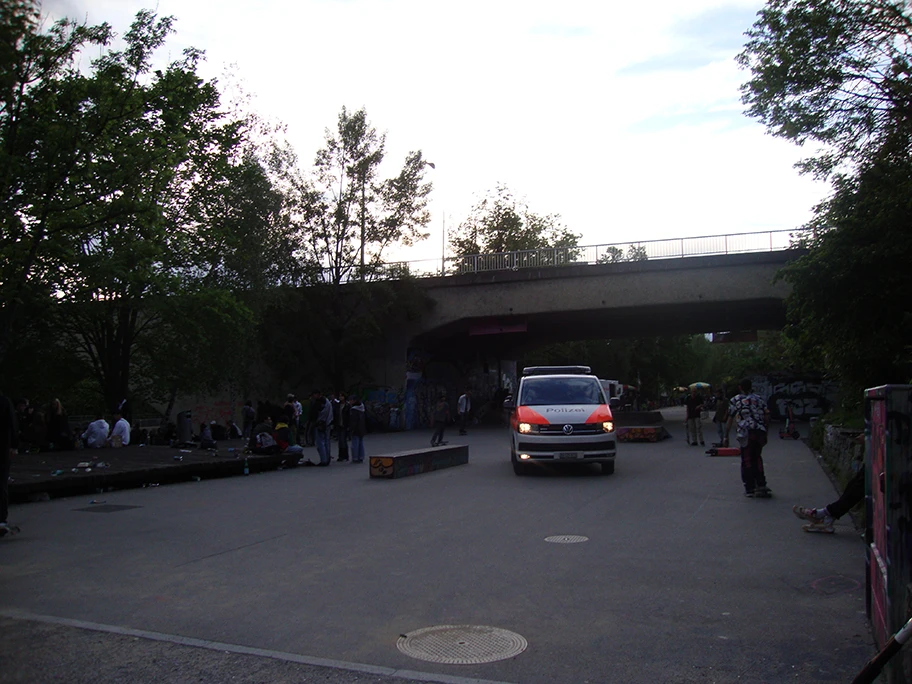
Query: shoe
750	494
762	493
807	514
825	527
702	444
694	444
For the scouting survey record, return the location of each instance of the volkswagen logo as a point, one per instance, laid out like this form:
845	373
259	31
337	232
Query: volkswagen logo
568	429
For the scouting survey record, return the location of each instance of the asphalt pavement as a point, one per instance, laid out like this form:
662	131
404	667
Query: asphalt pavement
662	572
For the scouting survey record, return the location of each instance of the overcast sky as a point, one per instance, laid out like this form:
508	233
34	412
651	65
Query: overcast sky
624	118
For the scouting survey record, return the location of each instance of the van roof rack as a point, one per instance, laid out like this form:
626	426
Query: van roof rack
557	370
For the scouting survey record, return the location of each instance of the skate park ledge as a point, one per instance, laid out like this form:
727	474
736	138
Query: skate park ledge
417	461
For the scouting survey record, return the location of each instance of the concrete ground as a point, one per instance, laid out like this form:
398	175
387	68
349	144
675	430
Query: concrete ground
315	574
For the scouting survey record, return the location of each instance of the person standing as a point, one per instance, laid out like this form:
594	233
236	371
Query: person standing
720	416
323	430
693	422
9	445
441	418
752	416
463	407
248	416
358	428
59	433
342	427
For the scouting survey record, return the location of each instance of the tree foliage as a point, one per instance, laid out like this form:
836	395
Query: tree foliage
836	72
500	222
349	214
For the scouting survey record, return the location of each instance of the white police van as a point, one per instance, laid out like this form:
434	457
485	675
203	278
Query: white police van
559	415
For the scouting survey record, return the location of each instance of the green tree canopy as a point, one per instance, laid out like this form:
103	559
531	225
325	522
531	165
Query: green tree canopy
500	222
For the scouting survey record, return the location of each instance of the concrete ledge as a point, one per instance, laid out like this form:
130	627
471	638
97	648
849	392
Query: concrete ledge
416	461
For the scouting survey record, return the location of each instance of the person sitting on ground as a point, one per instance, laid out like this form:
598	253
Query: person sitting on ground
821	519
206	441
234	432
263	440
120	432
96	434
283	436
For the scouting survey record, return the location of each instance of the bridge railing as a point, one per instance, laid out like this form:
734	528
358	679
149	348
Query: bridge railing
670	248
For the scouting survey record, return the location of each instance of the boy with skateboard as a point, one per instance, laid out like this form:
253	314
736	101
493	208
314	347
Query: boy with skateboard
441	418
752	416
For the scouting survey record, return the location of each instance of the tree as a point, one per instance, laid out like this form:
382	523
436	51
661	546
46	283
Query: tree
836	72
500	224
351	215
615	255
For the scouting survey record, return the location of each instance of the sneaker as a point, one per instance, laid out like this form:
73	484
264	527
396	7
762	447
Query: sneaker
702	444
806	514
824	527
750	494
4	529
762	493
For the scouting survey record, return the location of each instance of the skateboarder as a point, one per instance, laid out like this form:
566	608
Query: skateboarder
752	416
441	418
9	445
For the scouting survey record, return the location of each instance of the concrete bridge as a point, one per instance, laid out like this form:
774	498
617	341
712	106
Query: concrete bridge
504	312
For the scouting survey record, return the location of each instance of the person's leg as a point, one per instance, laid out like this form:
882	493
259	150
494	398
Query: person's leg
687	429
720	426
4	485
759	474
851	495
357	449
437	434
747	468
699	423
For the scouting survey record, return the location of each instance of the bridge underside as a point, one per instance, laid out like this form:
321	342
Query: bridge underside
508	336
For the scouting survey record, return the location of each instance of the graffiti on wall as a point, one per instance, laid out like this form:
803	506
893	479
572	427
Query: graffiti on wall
807	397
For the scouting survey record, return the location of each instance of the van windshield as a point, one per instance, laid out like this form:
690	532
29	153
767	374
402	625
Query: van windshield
544	391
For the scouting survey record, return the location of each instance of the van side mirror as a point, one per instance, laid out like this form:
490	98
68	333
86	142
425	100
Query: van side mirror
509	404
614	403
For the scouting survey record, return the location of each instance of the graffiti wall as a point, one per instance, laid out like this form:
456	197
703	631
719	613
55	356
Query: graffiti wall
808	397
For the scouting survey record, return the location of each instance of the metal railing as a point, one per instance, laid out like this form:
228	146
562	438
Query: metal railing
618	252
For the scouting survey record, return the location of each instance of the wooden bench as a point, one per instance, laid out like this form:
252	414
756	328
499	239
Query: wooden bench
416	461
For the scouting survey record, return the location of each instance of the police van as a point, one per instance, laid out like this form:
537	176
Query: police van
559	415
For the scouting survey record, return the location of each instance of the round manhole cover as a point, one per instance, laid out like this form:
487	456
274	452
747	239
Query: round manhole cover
461	644
566	539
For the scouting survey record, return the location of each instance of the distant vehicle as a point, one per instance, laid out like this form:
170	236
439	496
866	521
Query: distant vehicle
612	389
561	414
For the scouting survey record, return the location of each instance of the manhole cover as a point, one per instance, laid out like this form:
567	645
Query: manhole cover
566	539
106	508
461	644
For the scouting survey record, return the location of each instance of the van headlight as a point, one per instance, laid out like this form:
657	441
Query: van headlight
524	428
608	426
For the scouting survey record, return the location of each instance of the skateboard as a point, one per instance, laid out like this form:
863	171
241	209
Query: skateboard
12	531
724	451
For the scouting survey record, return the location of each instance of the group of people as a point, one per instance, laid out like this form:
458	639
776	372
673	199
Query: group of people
43	428
100	434
332	418
748	413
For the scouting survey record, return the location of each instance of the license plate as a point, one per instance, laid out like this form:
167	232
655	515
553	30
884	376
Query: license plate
568	454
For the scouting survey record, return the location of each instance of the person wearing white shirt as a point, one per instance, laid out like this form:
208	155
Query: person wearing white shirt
96	434
463	407
121	429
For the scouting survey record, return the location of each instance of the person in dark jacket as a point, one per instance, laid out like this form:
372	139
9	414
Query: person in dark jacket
357	427
59	434
9	444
